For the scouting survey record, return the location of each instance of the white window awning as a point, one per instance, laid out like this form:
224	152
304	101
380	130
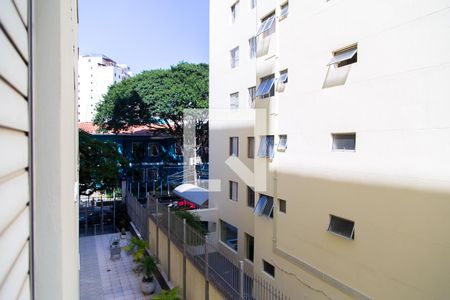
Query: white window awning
266	25
192	193
343	56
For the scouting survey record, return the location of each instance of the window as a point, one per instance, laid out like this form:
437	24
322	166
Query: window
250	147
342	227
344	57
250	197
284	10
268	268
252	4
138	150
234	100
282	143
283	76
266	87
267	25
153	150
282	205
344	141
264	206
234	11
266	146
252	46
233	191
234	146
234	57
251	96
249	247
229	235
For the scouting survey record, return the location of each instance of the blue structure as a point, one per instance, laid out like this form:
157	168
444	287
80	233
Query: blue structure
153	156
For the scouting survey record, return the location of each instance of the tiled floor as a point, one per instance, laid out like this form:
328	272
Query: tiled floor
103	278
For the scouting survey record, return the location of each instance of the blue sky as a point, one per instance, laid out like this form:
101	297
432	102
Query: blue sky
145	34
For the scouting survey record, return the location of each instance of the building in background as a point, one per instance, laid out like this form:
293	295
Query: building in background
356	146
39	146
96	73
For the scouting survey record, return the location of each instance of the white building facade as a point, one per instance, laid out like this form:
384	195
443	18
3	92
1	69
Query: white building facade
356	147
97	73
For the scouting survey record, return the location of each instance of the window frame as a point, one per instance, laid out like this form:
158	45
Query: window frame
252	96
266	263
221	237
265	208
266	24
280	207
250	194
284	10
342	134
234	100
253	47
249	237
269	147
232	145
280	146
351	236
251	144
266	87
344	57
231	194
234	11
234	57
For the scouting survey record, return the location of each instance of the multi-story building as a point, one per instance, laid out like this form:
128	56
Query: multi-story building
38	141
96	73
356	144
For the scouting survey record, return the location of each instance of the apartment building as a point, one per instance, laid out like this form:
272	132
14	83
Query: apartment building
38	149
96	73
355	140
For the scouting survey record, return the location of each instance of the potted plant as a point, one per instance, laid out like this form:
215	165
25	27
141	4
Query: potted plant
148	267
136	247
167	295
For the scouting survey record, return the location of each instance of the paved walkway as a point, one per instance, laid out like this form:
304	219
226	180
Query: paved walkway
105	279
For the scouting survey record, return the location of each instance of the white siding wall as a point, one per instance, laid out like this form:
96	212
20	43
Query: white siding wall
14	152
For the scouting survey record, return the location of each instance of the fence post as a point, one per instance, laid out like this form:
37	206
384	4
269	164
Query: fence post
206	268
184	258
157	227
168	243
138	189
241	279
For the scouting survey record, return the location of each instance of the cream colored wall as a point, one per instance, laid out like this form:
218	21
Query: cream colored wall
176	267
56	258
163	253
396	186
195	282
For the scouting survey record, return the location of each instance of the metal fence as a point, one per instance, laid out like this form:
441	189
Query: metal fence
138	213
226	273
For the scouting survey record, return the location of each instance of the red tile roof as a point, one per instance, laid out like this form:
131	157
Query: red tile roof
90	128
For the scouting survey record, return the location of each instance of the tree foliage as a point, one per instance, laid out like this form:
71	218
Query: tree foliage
155	96
100	164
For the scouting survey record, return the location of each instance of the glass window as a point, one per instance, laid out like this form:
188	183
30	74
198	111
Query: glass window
267	25
234	100
234	57
138	150
229	235
266	87
266	146
284	10
264	206
153	150
344	141
268	268
251	96
344	57
282	205
234	11
250	197
252	4
252	45
234	146
342	227
250	147
282	143
233	191
249	247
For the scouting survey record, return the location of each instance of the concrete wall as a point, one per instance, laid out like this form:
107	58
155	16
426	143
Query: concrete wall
195	281
395	186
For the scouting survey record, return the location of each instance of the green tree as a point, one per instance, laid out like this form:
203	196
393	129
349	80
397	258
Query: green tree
156	96
100	164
